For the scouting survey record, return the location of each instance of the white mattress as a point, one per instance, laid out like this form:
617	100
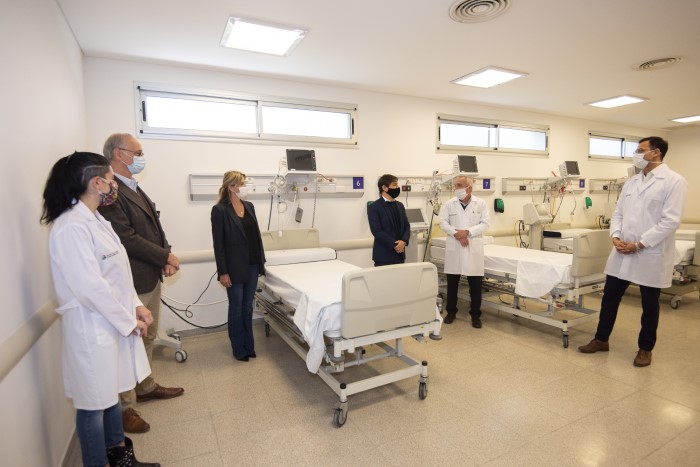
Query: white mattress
536	272
300	255
685	249
314	289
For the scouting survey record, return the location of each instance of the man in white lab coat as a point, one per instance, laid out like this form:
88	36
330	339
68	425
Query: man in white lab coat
464	219
643	231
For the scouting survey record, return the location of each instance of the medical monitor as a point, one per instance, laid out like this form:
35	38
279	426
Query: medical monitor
534	214
467	164
414	215
569	169
301	160
416	219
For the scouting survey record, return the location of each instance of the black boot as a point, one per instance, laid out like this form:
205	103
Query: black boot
123	456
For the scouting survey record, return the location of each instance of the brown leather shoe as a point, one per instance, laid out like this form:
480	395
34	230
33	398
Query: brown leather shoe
594	346
133	423
160	393
643	358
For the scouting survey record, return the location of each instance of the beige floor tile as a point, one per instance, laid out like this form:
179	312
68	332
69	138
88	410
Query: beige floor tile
530	420
578	395
480	438
573	445
642	422
679	452
176	442
508	394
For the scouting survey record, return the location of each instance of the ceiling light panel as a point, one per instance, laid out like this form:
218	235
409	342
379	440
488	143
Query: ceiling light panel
257	36
617	101
488	77
694	118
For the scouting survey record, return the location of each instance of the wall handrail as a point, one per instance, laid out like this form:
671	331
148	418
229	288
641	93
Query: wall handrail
21	342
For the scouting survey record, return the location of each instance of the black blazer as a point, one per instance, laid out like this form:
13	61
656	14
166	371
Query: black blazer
382	227
231	246
135	220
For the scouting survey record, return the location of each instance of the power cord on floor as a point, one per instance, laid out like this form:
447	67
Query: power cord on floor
187	311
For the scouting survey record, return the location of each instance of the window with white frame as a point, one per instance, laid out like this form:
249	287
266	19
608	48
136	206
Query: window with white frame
192	114
455	134
604	146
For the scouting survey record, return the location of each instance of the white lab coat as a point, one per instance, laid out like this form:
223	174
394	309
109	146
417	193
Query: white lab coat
467	261
649	212
97	304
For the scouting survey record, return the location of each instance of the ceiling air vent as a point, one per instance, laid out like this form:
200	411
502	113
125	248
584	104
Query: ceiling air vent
476	11
658	63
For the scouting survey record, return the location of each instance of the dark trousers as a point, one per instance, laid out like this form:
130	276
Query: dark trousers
474	294
612	295
240	314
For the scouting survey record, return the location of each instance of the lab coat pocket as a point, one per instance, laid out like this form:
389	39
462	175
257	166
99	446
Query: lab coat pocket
106	335
474	218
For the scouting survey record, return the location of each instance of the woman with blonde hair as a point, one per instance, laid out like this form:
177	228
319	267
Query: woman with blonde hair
240	259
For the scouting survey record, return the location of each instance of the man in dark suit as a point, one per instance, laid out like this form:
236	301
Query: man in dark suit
388	223
135	219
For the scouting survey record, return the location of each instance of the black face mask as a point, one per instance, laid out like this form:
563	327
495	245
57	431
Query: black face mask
394	192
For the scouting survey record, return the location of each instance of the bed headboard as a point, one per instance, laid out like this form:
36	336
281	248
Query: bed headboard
591	251
388	297
290	239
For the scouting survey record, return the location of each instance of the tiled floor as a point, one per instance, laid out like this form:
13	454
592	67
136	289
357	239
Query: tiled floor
505	395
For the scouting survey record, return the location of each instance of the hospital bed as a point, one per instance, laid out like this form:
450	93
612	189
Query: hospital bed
329	311
685	272
556	280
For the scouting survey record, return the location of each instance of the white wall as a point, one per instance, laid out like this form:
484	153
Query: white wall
43	118
396	135
682	156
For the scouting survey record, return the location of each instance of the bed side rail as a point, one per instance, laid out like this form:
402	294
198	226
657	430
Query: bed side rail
696	254
290	239
591	251
388	297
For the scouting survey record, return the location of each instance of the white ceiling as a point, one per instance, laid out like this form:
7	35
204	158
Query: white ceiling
575	51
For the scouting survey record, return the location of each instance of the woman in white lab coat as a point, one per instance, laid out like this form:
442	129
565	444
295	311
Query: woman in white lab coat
464	219
102	317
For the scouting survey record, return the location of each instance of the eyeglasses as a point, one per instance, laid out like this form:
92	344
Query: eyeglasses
135	153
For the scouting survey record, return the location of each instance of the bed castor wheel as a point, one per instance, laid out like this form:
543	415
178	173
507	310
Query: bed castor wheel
675	302
180	355
339	417
565	339
422	390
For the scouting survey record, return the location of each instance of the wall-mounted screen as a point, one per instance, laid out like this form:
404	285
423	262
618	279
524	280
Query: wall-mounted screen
467	164
572	168
301	160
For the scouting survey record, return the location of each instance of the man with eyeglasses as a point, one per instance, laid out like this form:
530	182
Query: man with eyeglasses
464	219
643	231
136	221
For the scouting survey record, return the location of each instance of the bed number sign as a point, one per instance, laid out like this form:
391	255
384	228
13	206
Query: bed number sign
358	183
486	184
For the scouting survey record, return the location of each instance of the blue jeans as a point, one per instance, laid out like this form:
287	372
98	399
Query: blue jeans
240	314
97	431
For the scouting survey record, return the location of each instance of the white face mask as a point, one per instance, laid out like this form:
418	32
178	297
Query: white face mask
639	161
242	192
461	193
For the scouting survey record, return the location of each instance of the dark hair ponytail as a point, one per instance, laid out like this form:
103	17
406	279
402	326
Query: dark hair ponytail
68	181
